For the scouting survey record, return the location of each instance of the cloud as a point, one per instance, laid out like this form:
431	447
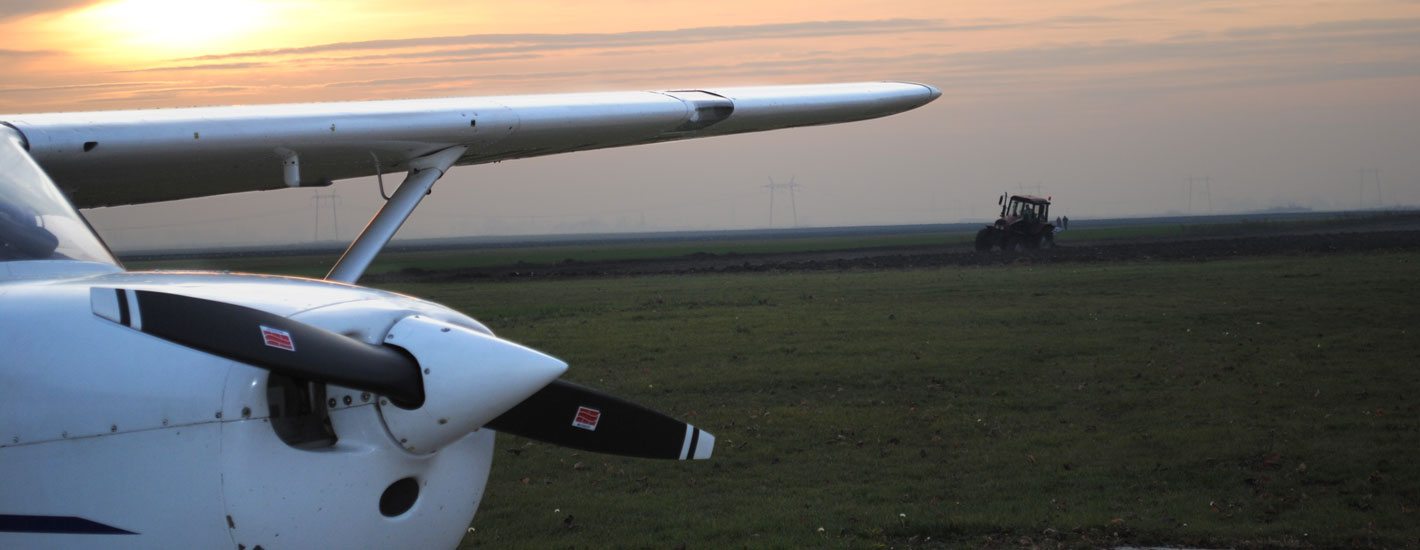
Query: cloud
483	47
208	67
21	55
808	29
91	87
1182	60
1351	26
1235	58
494	47
165	94
1271	48
1200	63
1086	20
1152	5
21	8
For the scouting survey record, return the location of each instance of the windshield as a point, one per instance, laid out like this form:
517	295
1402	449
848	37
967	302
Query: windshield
36	222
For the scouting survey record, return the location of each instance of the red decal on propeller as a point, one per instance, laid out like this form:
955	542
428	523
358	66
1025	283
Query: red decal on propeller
277	338
587	418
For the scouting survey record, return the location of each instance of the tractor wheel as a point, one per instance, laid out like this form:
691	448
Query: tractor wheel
1014	243
985	239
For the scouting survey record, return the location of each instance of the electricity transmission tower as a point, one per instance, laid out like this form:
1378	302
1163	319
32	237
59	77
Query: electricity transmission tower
1376	177
1207	182
319	200
794	207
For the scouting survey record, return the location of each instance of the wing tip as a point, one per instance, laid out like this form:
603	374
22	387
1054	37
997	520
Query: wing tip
933	92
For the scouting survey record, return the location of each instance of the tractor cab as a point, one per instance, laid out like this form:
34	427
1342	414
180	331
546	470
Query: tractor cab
1030	209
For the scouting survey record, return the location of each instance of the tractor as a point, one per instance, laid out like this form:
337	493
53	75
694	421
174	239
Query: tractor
1024	223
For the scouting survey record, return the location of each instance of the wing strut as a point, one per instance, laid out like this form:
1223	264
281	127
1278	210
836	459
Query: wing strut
423	172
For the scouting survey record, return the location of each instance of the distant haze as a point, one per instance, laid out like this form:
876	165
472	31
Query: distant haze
1108	107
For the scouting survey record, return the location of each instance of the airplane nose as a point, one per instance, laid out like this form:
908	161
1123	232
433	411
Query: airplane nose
936	93
469	379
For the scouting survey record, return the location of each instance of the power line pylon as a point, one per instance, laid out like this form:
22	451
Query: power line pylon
793	205
333	199
1375	176
1036	188
1207	182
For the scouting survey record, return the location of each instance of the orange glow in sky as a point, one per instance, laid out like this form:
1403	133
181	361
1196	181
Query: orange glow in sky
164	53
1106	102
125	31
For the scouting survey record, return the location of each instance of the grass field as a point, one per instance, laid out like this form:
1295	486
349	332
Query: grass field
1266	402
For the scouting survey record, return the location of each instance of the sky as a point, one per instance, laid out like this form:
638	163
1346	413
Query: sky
1111	107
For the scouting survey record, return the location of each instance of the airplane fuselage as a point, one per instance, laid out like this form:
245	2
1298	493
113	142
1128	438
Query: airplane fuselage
146	443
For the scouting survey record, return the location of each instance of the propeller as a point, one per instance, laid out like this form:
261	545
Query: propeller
602	423
265	340
560	412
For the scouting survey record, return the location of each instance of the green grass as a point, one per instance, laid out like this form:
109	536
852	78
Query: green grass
1252	403
1261	226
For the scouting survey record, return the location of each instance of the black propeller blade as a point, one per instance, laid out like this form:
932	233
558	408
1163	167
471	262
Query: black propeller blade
561	413
574	416
265	340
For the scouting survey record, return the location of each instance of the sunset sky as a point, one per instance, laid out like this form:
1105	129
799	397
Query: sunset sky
1109	106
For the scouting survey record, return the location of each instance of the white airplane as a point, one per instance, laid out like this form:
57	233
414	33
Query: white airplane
211	410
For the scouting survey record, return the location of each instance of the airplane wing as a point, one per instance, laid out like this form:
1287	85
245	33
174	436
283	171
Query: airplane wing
128	157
